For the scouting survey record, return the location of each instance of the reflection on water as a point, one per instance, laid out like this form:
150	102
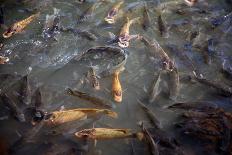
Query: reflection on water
48	51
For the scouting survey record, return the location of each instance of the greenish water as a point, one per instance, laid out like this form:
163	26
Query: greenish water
49	65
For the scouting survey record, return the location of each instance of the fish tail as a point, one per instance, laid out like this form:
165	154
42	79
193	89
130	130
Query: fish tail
111	113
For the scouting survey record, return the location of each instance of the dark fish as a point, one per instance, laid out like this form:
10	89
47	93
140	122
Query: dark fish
173	84
146	18
87	14
222	89
2	22
15	110
220	20
93	78
36	98
92	99
206	106
25	90
162	27
152	144
82	33
227	69
150	115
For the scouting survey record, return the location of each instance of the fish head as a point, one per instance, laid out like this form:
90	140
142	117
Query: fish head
50	118
10	31
117	95
124	41
4	60
86	133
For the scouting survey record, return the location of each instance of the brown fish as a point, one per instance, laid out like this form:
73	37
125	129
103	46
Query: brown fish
112	14
162	27
19	26
173	84
60	117
106	133
93	99
124	35
3	59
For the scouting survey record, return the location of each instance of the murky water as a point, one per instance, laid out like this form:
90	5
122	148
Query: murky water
50	65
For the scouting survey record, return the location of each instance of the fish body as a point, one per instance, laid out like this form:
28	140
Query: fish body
112	14
162	27
25	90
93	99
15	110
146	19
151	115
106	133
93	78
153	146
173	84
4	60
88	13
124	35
19	26
60	117
116	88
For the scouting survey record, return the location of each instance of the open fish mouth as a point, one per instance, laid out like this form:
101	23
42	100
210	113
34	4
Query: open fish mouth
123	42
109	20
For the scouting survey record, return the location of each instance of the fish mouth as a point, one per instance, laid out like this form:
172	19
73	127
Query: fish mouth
7	35
110	20
190	3
117	98
123	44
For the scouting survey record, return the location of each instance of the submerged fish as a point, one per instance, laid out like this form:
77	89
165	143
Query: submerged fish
124	35
25	90
106	133
93	99
153	145
112	14
60	117
93	78
19	26
88	13
116	87
162	27
146	18
173	84
82	33
151	115
4	60
15	110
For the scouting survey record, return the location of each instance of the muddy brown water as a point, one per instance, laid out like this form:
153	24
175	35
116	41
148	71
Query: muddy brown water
49	65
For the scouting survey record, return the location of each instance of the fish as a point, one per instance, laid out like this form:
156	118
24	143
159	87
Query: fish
93	78
52	24
152	144
150	115
82	33
173	84
15	110
87	14
60	117
107	133
112	14
2	21
157	50
4	60
146	23
159	85
93	99
162	27
190	2
19	26
25	90
222	89
116	88
124	35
